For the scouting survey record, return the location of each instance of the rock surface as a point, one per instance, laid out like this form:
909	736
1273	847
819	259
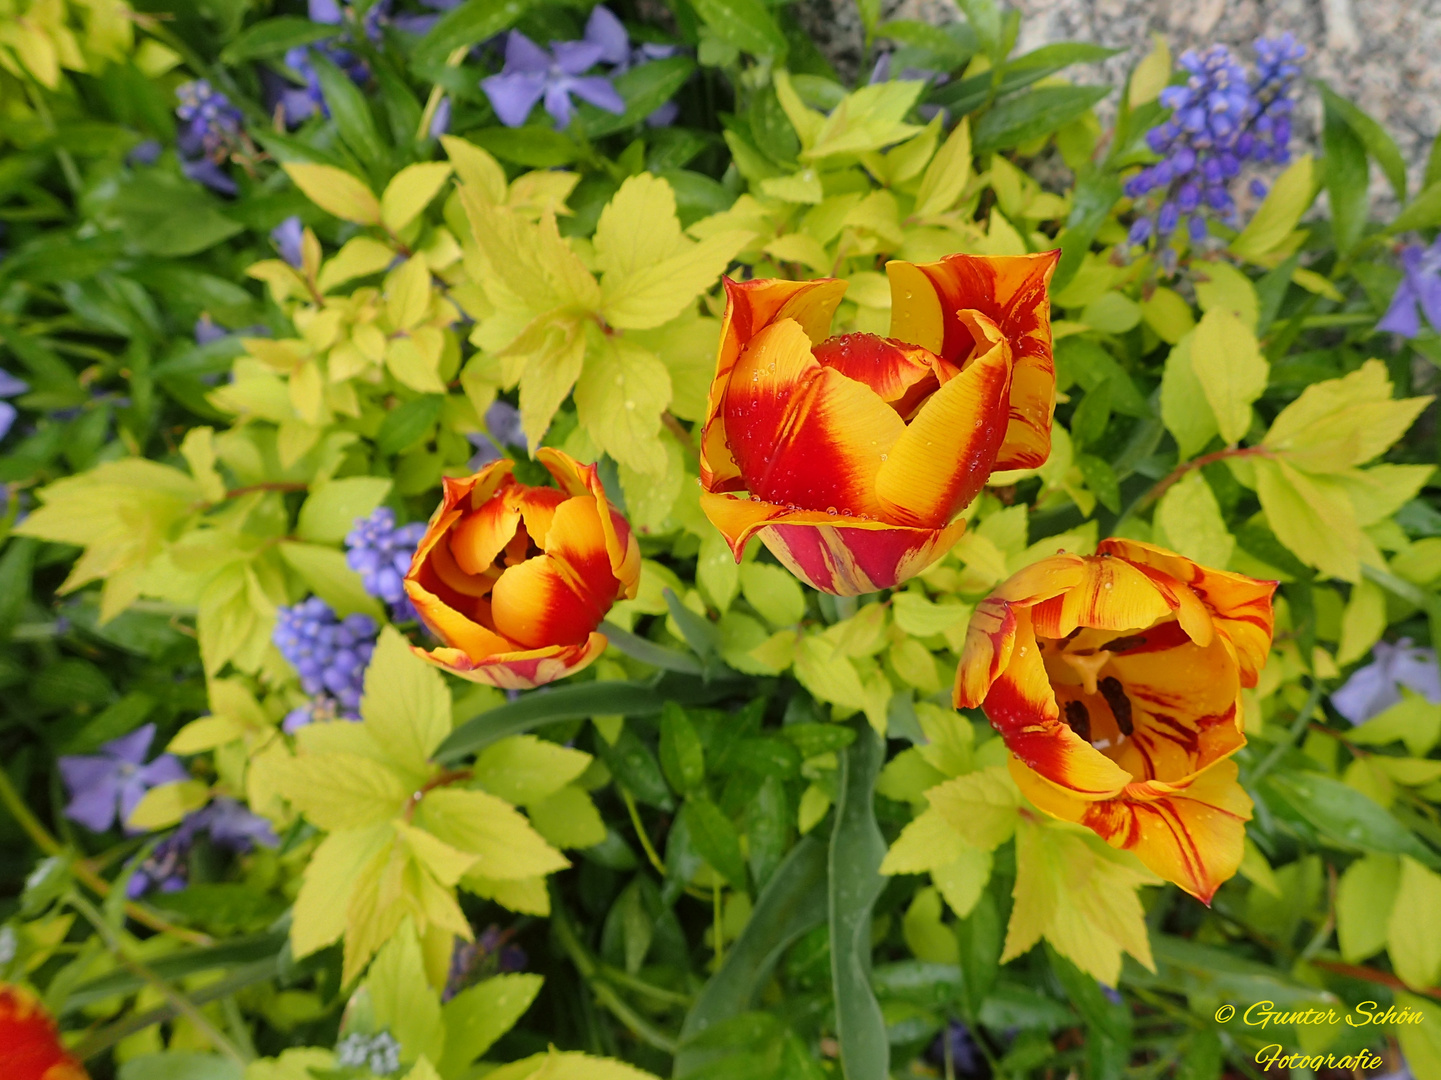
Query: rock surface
1383	54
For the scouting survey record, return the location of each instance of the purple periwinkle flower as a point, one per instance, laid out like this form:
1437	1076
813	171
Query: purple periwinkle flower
110	784
532	73
287	237
440	120
1419	292
144	153
502	422
1374	688
957	1039
232	827
10	387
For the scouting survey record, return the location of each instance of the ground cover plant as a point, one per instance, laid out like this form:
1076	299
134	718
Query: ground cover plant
574	542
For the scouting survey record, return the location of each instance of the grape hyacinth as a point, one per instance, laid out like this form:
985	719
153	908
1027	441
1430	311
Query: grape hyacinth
380	553
1220	119
330	653
378	1053
232	827
210	131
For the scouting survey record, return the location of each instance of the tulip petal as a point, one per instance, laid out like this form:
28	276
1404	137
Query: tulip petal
534	604
537	507
804	435
851	560
444	619
518	670
1240	606
578	545
1012	291
944	457
991	633
1111	595
902	375
750	307
481	535
1022	707
577	479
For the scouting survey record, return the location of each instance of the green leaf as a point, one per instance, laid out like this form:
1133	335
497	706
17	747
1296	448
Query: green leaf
1412	720
469	24
324	569
1290	196
768	828
981	806
773	592
1189	521
1026	117
644	88
350	111
406	424
576	702
1095	194
180	1065
636	768
745	24
342	791
401	999
793	902
476	1017
504	846
682	757
272	37
619	398
171	217
856	851
1312	517
1421	1042
716	839
410	191
1423	212
1346	177
1377	142
1346	818
533	146
331	510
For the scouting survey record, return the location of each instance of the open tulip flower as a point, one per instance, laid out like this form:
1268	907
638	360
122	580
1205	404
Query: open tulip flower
1115	680
30	1046
851	456
515	579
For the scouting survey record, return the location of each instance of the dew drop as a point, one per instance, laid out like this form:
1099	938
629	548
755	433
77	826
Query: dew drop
831	510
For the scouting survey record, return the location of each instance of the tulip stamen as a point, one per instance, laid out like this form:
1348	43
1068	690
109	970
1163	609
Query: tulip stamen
1078	718
1115	695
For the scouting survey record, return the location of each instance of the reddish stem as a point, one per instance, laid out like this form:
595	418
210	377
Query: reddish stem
1201	462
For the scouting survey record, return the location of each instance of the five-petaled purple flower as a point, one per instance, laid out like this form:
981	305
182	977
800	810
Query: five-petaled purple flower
1419	289
232	828
10	387
532	73
1374	688
110	784
287	237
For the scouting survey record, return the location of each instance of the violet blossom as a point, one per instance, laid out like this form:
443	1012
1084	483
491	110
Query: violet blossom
10	387
1373	689
532	73
1419	289
110	784
232	827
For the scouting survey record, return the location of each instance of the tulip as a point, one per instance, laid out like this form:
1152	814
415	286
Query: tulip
514	579
1115	680
30	1046
851	456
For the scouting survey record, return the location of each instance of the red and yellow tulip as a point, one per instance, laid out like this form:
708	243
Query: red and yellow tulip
515	579
30	1046
1115	680
851	456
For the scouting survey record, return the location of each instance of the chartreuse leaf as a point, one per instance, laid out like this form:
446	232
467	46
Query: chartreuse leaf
1288	199
1420	1042
319	916
331	509
341	791
1364	899
325	570
856	852
947	175
401	998
568	818
1184	409
524	769
1152	74
164	806
651	272
567	1065
1312	516
868	119
1189	520
406	706
1413	939
502	844
1079	895
619	399
980	806
773	592
410	192
1228	364
336	192
476	1017
302	1063
1412	720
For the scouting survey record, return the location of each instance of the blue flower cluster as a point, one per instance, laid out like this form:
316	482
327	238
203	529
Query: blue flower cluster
211	129
231	827
1220	119
380	553
298	103
329	653
378	1053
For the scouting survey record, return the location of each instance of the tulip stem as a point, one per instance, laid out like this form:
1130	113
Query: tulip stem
1303	720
